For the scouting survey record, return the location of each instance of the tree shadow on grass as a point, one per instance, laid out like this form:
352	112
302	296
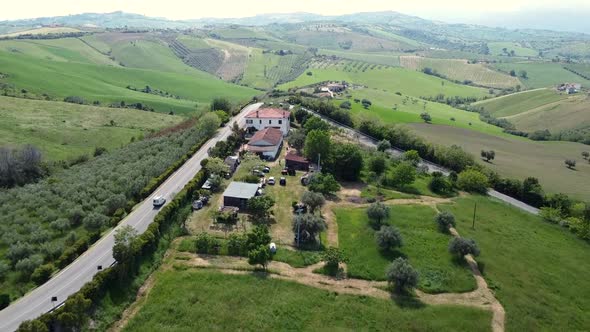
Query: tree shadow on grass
407	300
390	255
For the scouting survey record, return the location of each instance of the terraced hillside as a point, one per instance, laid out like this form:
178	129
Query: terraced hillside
542	74
461	70
64	130
517	103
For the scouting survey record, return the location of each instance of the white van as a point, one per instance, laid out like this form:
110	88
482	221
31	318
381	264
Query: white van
159	201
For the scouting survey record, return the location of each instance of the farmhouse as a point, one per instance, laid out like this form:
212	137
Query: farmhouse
269	118
569	88
237	194
293	161
266	143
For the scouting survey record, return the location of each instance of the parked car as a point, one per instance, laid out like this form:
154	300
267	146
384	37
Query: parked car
266	169
159	201
284	171
271	180
206	185
283	181
197	205
258	173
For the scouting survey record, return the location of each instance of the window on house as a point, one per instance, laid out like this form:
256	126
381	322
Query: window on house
260	121
280	121
269	121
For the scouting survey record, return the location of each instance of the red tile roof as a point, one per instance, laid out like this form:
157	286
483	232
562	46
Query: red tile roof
271	135
269	113
294	157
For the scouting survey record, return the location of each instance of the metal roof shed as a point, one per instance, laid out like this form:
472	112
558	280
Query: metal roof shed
238	193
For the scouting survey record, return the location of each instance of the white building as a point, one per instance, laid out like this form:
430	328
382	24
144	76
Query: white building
269	118
266	143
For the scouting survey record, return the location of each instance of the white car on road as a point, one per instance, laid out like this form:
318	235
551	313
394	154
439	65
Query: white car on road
159	201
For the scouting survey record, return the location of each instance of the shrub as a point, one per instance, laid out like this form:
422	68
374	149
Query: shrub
460	247
249	178
307	226
206	244
439	185
4	301
237	245
333	257
473	181
388	238
383	145
75	100
42	273
401	275
378	214
377	164
313	200
552	215
324	183
445	220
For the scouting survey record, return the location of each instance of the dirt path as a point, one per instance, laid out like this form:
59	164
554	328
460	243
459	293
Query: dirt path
481	298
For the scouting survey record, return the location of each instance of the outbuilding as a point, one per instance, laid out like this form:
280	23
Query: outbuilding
293	161
237	194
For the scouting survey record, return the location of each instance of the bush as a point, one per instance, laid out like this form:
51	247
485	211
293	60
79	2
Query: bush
323	183
445	220
552	215
388	238
307	226
439	185
4	301
333	257
377	164
249	178
383	145
378	213
42	273
460	247
473	181
237	245
206	244
75	100
401	275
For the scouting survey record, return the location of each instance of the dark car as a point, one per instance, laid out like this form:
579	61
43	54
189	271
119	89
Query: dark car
283	181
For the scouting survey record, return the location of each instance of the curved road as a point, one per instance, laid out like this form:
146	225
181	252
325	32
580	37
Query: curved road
74	276
369	141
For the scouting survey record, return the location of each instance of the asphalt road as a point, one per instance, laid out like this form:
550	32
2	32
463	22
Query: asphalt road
74	276
368	141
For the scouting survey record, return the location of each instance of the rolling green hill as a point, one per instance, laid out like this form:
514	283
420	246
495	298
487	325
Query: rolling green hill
519	102
108	84
389	79
63	130
542	74
496	48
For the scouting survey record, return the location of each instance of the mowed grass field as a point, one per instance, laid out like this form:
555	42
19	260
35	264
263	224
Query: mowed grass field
520	102
380	58
65	49
41	31
424	246
518	48
190	300
542	74
383	110
63	130
389	80
521	158
570	113
537	270
108	84
458	69
150	54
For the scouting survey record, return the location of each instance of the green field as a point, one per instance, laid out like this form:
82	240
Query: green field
538	271
108	84
65	49
384	102
389	80
381	58
519	50
41	31
521	158
425	247
519	102
264	71
460	70
192	300
63	130
150	54
542	75
570	113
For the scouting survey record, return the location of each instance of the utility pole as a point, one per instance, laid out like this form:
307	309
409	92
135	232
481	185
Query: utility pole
319	164
474	209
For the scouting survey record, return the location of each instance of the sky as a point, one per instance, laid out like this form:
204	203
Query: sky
449	10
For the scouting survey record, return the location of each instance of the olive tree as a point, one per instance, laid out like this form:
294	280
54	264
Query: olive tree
307	226
388	238
377	213
383	145
460	247
445	220
401	275
313	200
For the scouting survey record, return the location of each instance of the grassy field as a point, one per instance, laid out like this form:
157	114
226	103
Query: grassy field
108	84
341	38
542	75
566	114
150	54
457	69
519	102
41	31
191	300
537	270
519	50
388	80
381	58
384	102
63	130
65	49
424	246
521	158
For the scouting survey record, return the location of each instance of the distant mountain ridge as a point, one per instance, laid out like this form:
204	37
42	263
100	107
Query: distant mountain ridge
120	19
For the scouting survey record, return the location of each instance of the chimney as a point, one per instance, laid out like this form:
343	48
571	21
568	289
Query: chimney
256	113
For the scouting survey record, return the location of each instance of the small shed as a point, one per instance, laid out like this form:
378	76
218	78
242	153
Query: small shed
296	162
237	194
